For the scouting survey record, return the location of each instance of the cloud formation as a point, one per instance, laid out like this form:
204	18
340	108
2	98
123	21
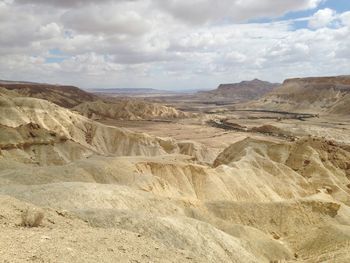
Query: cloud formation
169	43
200	11
322	18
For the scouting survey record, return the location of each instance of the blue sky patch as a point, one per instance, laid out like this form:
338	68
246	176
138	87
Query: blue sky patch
56	56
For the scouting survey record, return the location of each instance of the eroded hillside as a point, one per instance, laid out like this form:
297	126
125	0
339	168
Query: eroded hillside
317	95
128	109
129	196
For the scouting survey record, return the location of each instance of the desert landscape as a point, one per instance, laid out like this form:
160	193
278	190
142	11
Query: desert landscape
119	179
174	131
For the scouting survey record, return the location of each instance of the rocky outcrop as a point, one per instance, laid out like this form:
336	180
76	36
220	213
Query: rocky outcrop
240	92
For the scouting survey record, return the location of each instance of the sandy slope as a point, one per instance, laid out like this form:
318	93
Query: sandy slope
130	197
66	238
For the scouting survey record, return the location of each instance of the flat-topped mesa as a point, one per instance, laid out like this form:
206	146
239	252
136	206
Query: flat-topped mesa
330	81
242	91
260	84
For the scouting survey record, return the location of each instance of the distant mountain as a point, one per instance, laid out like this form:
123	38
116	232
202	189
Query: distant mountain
125	90
62	95
243	91
132	92
17	82
316	94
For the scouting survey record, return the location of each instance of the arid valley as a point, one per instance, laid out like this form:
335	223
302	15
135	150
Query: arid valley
176	178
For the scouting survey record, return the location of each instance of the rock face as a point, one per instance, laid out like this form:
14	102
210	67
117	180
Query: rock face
243	91
317	95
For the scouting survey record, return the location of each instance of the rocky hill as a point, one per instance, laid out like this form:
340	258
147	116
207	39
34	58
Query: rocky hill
62	95
243	91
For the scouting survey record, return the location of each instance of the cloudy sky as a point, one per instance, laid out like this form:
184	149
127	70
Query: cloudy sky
172	44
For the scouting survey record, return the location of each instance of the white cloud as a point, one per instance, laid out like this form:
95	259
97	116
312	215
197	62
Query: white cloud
345	18
50	30
64	3
322	18
89	63
111	19
167	44
201	11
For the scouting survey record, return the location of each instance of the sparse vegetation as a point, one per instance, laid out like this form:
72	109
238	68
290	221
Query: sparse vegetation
32	217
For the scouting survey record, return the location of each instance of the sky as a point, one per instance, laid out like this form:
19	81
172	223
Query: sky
172	44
